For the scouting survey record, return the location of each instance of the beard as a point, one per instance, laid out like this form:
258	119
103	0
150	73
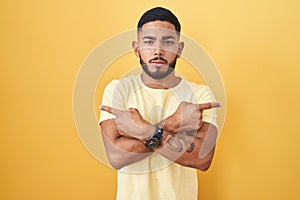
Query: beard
158	74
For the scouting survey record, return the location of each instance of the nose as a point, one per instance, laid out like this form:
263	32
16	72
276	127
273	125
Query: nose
158	50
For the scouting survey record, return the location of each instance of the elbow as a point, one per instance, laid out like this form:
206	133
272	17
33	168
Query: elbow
204	165
115	165
115	161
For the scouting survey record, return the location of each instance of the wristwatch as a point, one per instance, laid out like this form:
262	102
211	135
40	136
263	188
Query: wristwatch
154	141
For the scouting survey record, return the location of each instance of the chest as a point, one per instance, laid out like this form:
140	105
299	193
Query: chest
155	106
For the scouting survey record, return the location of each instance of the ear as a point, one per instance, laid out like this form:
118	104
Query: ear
180	48
135	47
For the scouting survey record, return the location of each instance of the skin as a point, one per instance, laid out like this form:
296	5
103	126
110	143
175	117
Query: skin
187	140
158	29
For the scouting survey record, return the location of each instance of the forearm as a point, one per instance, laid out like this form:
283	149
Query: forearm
121	150
184	150
127	134
124	151
194	150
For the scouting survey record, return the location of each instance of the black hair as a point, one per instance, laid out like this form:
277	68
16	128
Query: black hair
160	14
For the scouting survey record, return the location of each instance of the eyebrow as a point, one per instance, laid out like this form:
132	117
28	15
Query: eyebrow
163	37
168	37
149	37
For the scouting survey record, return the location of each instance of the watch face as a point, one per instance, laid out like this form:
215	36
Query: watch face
153	142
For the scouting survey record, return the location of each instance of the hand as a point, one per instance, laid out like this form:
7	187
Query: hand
188	116
130	123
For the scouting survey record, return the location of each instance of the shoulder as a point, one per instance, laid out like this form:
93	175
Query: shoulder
195	87
131	80
200	92
124	82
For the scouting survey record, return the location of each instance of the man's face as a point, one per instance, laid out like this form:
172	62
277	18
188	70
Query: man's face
158	48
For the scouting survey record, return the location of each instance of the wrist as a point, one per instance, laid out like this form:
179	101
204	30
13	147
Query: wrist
155	140
165	138
170	124
148	131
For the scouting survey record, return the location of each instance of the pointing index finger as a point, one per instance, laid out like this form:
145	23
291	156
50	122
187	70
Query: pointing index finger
110	110
209	105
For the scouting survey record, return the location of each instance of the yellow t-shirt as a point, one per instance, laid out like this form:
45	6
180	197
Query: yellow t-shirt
156	177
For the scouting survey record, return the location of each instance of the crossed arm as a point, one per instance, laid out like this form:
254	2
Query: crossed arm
187	140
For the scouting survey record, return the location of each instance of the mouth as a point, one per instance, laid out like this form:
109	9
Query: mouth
158	61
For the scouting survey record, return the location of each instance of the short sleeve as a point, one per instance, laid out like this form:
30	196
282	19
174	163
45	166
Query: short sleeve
113	96
205	95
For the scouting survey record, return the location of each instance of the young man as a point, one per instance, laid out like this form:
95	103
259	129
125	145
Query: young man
157	127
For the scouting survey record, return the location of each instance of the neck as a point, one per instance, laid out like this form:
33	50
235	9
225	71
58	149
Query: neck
165	83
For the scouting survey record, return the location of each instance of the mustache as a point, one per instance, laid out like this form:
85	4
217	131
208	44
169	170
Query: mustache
158	58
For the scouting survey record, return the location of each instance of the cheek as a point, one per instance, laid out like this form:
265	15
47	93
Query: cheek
171	57
145	55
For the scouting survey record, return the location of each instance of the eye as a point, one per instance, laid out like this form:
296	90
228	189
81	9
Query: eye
149	42
168	42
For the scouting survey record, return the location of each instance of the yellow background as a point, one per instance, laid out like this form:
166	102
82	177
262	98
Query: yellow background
255	45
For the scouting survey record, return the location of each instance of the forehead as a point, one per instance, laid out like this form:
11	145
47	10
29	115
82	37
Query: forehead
158	29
